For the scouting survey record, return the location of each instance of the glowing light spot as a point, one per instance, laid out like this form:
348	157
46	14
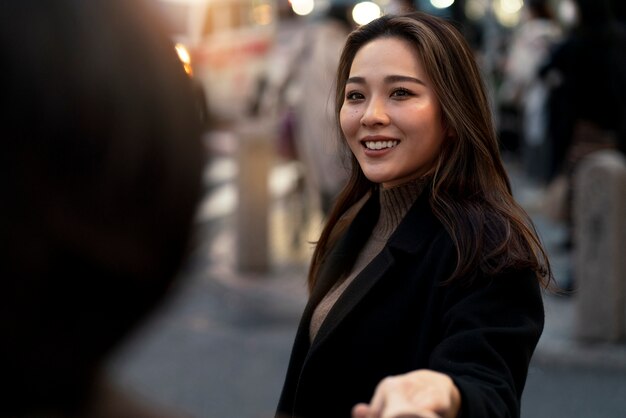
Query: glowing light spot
184	57
511	6
365	12
508	11
302	7
442	4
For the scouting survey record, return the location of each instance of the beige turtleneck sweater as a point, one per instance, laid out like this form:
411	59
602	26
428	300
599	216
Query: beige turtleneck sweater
394	204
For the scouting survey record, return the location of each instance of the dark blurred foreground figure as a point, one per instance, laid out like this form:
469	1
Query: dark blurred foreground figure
100	176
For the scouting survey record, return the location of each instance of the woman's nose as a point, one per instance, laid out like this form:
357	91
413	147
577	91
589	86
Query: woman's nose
375	113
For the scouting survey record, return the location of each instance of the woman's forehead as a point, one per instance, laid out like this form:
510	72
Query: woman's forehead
387	54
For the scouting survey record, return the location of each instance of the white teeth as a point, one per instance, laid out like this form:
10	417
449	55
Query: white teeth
380	144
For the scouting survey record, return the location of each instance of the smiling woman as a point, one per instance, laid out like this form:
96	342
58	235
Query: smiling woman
425	283
391	117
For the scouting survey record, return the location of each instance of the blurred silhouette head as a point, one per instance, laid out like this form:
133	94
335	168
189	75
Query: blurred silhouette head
100	176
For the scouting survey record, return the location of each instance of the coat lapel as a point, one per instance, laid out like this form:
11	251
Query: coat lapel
415	233
412	235
353	294
342	256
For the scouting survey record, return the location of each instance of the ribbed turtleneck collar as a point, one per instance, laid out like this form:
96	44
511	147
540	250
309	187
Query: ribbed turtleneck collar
394	204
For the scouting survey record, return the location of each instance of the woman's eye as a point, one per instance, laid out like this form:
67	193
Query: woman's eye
354	95
401	93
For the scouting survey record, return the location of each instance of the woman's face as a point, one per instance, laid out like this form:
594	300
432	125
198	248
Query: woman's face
390	115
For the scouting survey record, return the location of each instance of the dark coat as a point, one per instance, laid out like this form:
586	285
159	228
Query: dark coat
398	316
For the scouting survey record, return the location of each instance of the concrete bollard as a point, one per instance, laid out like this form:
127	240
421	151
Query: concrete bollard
599	211
255	154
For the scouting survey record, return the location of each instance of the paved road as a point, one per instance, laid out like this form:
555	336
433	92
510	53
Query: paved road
217	349
220	347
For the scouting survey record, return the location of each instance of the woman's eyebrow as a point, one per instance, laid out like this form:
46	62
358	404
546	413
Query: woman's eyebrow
388	79
400	78
356	80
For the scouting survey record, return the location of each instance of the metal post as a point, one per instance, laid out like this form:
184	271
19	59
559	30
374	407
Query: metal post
254	157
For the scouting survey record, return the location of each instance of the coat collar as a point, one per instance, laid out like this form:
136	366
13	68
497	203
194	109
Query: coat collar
414	233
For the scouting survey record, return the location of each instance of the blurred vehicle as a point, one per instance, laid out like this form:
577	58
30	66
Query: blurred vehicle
227	41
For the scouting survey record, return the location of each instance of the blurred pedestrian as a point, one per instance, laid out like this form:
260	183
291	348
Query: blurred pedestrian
425	283
296	89
100	175
522	91
309	89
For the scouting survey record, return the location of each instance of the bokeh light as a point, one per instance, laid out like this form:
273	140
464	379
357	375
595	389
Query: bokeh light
442	4
508	11
476	9
302	7
365	12
184	57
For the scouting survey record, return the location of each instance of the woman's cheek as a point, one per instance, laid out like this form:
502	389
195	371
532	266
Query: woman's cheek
349	121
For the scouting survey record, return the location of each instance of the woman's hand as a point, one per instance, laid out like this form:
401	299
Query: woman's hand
418	394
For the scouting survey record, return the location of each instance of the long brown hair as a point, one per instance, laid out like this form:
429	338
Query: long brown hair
470	192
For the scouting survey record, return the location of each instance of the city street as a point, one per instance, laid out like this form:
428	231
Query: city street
219	347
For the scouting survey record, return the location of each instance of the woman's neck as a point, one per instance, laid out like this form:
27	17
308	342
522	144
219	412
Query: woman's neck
394	204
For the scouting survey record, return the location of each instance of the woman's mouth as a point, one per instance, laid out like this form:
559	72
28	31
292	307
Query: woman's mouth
378	145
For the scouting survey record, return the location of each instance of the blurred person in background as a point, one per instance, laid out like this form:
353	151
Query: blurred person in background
587	98
296	88
100	176
522	91
425	284
304	97
325	169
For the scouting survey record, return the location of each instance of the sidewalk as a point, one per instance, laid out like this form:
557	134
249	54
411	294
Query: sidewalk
558	345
